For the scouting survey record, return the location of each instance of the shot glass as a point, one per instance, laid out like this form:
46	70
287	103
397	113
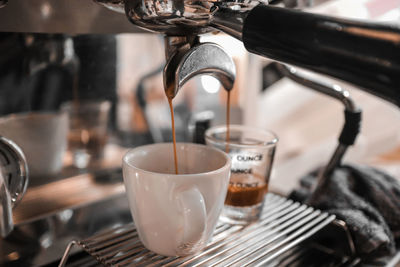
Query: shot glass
88	130
252	153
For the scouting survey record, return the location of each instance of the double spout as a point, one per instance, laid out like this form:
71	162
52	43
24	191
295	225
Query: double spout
187	57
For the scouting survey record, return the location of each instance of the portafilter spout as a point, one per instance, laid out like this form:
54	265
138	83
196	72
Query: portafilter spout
365	54
186	58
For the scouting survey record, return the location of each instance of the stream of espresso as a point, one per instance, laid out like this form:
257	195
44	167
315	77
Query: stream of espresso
173	133
228	108
228	104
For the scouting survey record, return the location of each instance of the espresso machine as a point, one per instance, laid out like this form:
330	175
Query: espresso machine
362	53
311	41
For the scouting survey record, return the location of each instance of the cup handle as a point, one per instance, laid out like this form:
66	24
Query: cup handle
194	216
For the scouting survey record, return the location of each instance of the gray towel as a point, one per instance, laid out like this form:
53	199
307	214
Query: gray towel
367	199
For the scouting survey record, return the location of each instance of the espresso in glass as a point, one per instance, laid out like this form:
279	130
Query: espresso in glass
251	151
246	190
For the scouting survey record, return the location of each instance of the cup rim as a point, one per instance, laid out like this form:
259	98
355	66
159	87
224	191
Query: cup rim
86	103
221	169
222	128
30	114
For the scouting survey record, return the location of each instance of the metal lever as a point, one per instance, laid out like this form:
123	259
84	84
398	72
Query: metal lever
13	182
352	117
6	221
191	58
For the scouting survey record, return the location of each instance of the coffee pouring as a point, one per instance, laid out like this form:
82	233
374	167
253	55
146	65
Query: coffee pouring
186	58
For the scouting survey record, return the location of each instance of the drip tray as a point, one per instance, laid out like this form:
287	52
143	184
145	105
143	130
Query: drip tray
284	236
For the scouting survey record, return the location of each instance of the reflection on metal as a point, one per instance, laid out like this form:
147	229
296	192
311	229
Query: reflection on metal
51	215
13	182
86	16
114	5
6	222
336	92
62	16
272	241
65	194
188	58
174	17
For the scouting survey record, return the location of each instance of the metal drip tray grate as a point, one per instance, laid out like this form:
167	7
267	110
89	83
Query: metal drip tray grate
283	225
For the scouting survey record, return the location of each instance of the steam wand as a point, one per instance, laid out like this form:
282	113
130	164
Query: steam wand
352	115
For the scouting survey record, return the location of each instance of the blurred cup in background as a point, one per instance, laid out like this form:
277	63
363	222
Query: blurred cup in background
42	136
87	135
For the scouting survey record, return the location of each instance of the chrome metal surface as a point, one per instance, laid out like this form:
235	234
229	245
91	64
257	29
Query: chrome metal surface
6	221
175	17
202	58
114	5
334	91
62	16
283	225
334	161
13	181
230	22
70	16
15	168
69	193
48	218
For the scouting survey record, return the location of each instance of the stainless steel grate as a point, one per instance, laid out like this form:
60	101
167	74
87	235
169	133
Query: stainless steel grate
270	241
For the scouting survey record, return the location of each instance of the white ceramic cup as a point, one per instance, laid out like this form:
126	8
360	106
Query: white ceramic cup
176	215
